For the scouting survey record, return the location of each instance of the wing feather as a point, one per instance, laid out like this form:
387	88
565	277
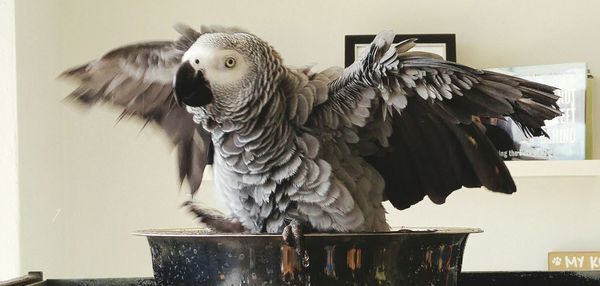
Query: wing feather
435	148
137	79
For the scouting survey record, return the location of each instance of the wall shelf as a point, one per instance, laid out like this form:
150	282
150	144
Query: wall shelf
554	168
577	168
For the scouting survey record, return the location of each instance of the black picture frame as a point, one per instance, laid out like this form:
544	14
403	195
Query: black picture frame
449	40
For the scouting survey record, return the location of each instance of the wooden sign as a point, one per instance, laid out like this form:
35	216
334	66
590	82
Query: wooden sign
574	261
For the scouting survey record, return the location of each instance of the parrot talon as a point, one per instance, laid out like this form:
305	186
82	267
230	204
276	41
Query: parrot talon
293	235
214	221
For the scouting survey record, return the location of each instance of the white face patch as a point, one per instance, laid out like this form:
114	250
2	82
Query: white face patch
219	66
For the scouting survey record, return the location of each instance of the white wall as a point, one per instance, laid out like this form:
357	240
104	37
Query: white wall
86	184
9	196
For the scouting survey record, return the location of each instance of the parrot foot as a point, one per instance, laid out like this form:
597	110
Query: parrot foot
293	235
213	220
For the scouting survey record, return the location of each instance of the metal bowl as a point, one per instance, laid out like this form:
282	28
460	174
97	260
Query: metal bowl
409	256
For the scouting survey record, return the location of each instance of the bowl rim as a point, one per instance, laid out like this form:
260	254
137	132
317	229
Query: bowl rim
400	231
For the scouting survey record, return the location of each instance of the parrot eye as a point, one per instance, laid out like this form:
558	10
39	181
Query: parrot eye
230	62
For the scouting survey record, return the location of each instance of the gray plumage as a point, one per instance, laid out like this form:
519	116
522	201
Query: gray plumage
138	79
326	148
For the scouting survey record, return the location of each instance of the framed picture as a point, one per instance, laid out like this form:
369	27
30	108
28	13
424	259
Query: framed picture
567	133
440	44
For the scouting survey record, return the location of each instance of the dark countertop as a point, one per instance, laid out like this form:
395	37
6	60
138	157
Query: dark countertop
529	278
465	279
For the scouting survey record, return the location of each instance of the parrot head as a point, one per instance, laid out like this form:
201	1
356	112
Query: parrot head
230	72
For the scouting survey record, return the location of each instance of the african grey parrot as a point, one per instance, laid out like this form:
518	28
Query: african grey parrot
319	148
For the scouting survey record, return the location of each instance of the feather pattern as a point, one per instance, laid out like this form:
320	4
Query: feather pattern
325	147
434	101
138	80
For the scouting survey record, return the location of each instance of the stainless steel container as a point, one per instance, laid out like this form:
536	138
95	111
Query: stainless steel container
404	257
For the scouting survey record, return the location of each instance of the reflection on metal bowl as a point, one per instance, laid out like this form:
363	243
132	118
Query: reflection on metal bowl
403	257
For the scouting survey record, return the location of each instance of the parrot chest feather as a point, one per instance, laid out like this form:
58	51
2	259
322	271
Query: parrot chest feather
266	190
269	171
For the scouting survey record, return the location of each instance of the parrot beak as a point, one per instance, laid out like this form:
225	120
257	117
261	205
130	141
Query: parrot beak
191	88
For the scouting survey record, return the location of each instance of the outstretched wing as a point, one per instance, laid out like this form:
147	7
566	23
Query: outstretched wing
138	79
412	115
